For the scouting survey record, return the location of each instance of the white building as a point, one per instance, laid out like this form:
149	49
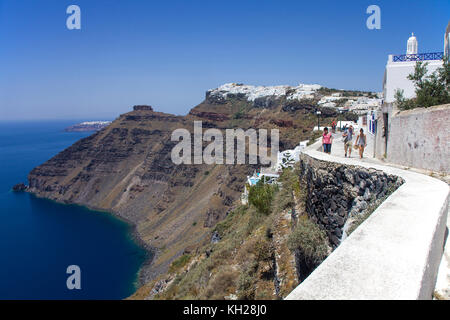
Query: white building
400	66
251	93
265	175
363	105
328	105
288	158
395	77
270	175
328	99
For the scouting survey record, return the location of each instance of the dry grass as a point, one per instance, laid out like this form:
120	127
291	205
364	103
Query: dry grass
242	263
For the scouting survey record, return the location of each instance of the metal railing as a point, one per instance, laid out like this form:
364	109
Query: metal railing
418	57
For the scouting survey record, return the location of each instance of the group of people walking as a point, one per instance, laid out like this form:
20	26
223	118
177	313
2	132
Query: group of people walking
347	138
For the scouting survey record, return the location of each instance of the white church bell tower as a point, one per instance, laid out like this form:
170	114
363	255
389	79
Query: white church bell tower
411	46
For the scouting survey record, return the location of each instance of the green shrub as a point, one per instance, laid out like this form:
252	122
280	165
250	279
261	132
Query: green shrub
179	263
351	116
290	179
261	196
402	103
310	240
431	90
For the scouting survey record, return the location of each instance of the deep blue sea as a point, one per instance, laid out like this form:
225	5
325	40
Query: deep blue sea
39	238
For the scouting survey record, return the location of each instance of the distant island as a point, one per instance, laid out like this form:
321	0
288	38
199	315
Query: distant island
88	126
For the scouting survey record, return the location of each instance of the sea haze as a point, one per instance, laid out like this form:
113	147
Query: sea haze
39	238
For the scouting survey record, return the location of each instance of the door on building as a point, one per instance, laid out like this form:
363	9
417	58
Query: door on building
385	132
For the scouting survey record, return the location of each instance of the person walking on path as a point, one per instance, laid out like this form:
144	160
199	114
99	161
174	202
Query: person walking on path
347	139
333	126
327	140
361	142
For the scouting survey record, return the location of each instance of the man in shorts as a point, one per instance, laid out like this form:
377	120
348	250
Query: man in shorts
347	138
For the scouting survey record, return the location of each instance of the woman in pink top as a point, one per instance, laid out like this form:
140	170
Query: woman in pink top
327	140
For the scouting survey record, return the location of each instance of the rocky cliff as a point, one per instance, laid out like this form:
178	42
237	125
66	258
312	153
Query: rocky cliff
126	169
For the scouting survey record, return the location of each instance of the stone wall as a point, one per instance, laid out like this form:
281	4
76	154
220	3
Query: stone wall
418	138
395	253
336	192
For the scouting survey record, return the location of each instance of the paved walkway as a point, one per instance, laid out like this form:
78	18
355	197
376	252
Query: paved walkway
396	252
443	279
337	149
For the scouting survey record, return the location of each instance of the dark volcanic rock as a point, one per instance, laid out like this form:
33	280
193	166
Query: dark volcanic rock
295	105
210	115
266	102
330	202
19	187
142	108
282	123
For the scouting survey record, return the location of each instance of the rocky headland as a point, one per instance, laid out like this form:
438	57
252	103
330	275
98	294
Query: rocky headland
126	167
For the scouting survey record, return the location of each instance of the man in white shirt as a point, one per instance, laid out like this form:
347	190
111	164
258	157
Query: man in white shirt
347	138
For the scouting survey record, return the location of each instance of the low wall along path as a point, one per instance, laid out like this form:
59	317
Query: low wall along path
396	252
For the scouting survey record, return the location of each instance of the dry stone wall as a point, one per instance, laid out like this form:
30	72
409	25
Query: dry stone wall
336	192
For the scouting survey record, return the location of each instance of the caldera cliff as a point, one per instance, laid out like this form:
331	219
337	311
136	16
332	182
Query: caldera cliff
126	168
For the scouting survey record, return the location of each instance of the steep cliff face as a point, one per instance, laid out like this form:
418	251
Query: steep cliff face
126	168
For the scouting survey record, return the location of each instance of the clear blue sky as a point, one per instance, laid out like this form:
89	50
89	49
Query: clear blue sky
168	53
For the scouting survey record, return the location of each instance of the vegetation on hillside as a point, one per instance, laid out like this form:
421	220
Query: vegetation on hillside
431	90
310	240
347	93
261	196
252	260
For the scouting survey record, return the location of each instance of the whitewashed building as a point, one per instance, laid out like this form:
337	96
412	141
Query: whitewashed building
396	74
398	68
288	158
270	175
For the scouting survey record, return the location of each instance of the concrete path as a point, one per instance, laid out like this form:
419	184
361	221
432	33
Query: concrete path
396	234
337	149
443	280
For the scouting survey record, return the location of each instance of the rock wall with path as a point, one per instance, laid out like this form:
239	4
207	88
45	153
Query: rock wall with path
336	192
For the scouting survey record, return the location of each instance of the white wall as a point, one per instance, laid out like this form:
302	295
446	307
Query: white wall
395	253
396	77
420	138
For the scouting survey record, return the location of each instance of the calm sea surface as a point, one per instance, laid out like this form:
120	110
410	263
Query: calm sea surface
39	238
